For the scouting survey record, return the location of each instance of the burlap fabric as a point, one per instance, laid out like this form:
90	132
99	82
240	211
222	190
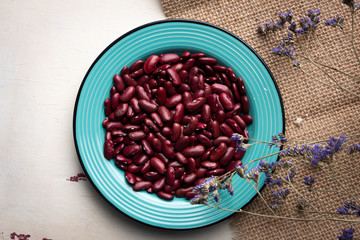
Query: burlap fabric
326	111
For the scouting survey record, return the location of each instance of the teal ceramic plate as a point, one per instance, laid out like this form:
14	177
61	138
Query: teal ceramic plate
161	37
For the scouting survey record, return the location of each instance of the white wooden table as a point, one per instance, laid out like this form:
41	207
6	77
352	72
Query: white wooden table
46	47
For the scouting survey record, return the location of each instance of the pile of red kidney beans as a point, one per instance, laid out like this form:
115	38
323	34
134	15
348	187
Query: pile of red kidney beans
169	120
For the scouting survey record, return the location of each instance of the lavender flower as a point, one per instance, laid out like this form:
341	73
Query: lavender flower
347	234
309	181
203	190
349	208
279	196
335	22
277	140
296	63
302	204
353	148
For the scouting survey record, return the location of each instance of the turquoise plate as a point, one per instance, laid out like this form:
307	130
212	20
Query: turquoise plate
155	38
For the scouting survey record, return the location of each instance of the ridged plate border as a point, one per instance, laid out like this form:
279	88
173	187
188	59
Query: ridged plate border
155	38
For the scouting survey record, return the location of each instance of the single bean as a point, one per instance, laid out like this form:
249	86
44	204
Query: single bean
233	124
113	91
156	143
220	88
226	130
207	133
107	106
239	121
236	92
187	98
161	96
134	103
180	192
182	143
198	93
179	113
225	80
166	131
133	168
231	75
173	101
118	133
232	165
129	81
169	87
189	64
226	101
197	55
219	69
164	113
140	159
191	127
214	125
152	83
170	176
137	74
151	63
193	72
121	166
226	158
124	160
162	157
194	151
151	124
236	110
131	128
124	70
215	172
207	61
142	185
165	195
121	110
136	66
181	158
145	168
212	100
245	104
147	147
138	119
190	195
158	185
141	94
190	178
209	165
204	140
111	126
246	135
208	91
176	132
108	149
158	165
128	93
157	119
137	135
177	67
130	112
160	136
143	79
195	104
179	172
147	106
161	69
128	141
201	126
220	116
183	74
206	113
130	177
118	83
168	149
174	76
241	86
211	79
169	58
201	172
219	152
221	139
131	149
184	56
247	119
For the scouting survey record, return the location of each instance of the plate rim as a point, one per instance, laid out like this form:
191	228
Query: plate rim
111	45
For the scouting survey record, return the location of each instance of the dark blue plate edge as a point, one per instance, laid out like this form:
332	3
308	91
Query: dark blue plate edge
112	44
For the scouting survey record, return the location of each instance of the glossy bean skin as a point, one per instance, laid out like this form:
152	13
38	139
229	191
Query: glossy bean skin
121	110
131	149
173	101
129	81
124	160
169	58
118	83
128	93
147	106
170	176
182	143
215	127
233	125
215	172
141	94
209	164
151	63
204	140
190	128
245	104
108	149
179	113
140	159
165	195
161	96
137	135
219	152
195	104
107	106
181	158
164	113
226	130
220	88
226	158
239	120
206	113
130	177
174	76
207	61
247	119
147	147
176	132
141	185
190	178
158	165
137	119
168	149
157	119
194	151
221	139
220	116
158	185
226	101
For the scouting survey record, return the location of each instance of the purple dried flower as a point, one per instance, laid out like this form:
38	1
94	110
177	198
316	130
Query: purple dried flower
353	148
309	181
349	208
347	234
335	22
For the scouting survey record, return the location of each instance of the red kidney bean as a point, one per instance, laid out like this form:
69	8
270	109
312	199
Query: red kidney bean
207	61
166	131
225	80
211	79
201	126
147	106
117	140
124	160
133	168
194	151
129	81
204	140
236	92
121	110
245	104
156	143
180	192
241	86
158	165
197	55
226	101
208	91
212	100
207	134
191	165
226	130
208	70
231	75
128	141
137	135
239	121
137	74
195	104
191	127
169	58
215	172
179	113
246	135
179	173
121	166
219	152
184	56
152	84
177	67
161	96
221	139
145	168
136	66
209	165
130	177
158	185
232	165
220	116
174	77
214	125
160	136
236	110
201	172
151	63
233	124
168	149
111	126
239	155
143	79
141	94
140	159
162	158
173	101
131	128
107	106
118	83
138	118
108	149
193	72
198	93
193	139
226	158
190	178
186	97
189	64
113	90
161	69
124	70
206	113
128	93
183	74
130	112
151	124
142	185
176	132
157	119
170	176
219	69
165	195
182	143
134	103
146	147
190	195
131	149
247	119
220	88
118	133
164	113
181	158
